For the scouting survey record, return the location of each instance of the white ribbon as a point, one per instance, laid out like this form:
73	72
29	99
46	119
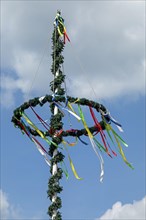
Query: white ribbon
72	113
100	159
42	152
41	98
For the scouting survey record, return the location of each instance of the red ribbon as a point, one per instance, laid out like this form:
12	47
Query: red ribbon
42	121
66	36
23	128
97	124
40	145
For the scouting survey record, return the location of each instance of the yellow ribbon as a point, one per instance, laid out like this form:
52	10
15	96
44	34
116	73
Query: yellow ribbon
91	138
65	170
70	144
84	122
71	108
73	169
37	130
59	32
71	164
117	138
64	29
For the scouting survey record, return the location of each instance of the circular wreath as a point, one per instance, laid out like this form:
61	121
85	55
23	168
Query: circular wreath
48	98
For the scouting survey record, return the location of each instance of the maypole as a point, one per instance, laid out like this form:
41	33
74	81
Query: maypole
54	133
56	118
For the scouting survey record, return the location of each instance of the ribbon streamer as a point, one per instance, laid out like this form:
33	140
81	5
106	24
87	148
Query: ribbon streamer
84	122
24	128
92	143
41	99
71	164
110	119
118	139
73	168
100	159
71	108
37	130
103	137
40	148
72	113
44	123
65	171
72	144
82	141
59	19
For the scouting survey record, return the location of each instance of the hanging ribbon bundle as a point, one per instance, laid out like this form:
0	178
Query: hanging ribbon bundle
71	163
103	136
118	139
108	118
61	108
107	121
92	143
59	24
40	148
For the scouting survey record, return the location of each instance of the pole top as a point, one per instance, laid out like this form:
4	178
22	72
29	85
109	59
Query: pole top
58	18
59	11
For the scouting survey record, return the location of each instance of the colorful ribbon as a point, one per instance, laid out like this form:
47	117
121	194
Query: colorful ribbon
92	143
64	168
71	164
110	119
60	20
37	130
82	141
103	137
69	111
44	123
118	139
40	148
100	159
72	144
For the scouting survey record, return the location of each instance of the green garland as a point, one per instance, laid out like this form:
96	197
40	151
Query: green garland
56	124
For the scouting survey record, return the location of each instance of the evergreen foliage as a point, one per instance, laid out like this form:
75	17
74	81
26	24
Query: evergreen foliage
54	187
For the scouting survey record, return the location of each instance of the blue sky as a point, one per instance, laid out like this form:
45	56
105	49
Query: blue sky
106	55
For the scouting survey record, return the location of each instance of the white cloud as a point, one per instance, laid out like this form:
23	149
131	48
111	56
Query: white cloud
108	42
134	211
7	210
8	87
27	67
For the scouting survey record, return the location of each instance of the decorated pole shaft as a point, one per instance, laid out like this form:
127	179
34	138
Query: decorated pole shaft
55	167
56	120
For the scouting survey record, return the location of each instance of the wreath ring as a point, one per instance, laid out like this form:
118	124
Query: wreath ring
49	98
